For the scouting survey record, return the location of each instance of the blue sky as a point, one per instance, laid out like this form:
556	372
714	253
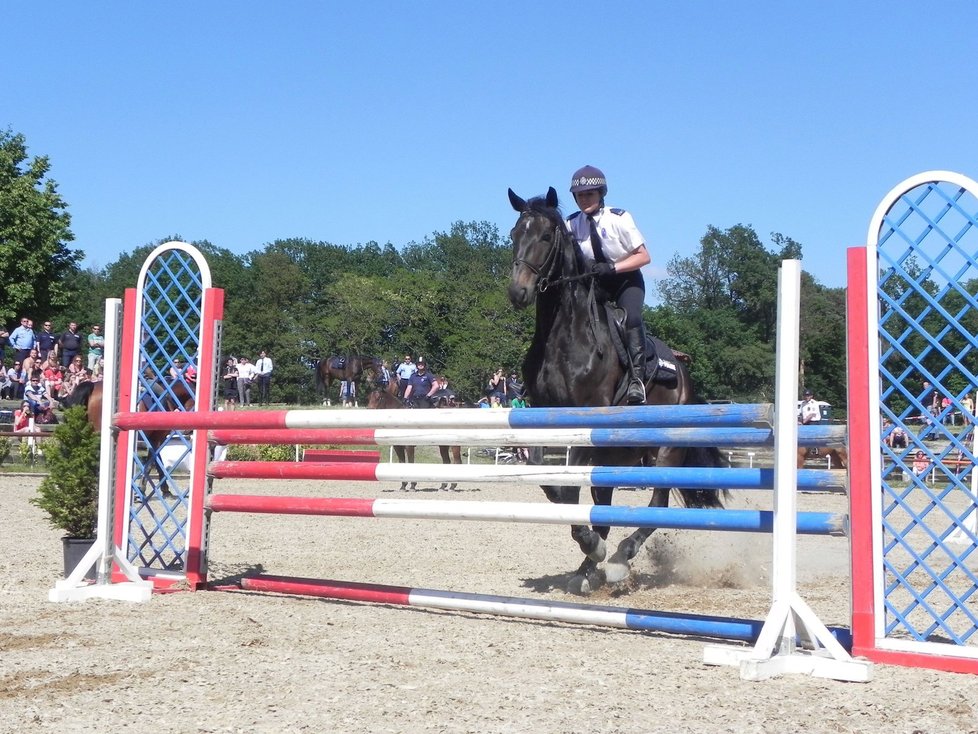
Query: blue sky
245	122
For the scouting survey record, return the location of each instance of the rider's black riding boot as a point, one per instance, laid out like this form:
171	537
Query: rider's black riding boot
635	344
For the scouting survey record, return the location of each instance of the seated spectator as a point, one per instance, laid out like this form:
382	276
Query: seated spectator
518	402
5	383
37	396
73	376
495	402
920	463
23	417
53	377
484	403
18	380
32	362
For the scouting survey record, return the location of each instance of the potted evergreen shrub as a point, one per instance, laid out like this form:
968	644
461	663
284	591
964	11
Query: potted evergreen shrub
69	493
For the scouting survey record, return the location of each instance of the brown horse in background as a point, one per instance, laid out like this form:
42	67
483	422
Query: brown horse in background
838	456
349	368
89	395
449	454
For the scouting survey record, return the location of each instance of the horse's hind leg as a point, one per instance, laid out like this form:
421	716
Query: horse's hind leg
619	564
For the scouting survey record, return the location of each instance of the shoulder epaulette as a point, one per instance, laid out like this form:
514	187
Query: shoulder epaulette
617	211
575	215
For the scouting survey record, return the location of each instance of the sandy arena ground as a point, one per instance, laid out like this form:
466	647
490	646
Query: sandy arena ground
238	662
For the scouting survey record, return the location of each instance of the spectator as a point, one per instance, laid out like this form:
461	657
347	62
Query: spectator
514	386
5	384
263	370
96	346
69	344
53	376
484	403
37	396
32	361
23	417
18	381
968	404
230	378
22	339
497	385
810	410
72	377
495	402
384	376
47	341
920	463
246	375
404	370
518	402
4	341
421	386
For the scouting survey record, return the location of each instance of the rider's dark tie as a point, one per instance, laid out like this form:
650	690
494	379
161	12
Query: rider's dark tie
596	248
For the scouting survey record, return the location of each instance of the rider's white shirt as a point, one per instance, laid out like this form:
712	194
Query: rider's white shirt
616	228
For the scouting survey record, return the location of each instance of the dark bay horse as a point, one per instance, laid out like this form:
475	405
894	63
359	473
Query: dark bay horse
449	454
349	368
572	362
89	395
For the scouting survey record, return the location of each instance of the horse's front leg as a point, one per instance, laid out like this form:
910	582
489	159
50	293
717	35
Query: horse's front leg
619	565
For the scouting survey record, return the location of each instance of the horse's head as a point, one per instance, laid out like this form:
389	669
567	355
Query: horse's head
537	237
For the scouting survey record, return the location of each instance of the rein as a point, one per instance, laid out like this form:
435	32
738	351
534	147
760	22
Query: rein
542	272
544	281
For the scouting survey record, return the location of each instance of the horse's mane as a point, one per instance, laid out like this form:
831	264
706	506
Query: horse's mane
539	205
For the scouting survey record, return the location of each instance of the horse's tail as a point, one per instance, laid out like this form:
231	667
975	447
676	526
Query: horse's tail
709	458
319	375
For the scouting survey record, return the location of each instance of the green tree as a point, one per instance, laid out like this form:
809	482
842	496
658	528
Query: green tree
37	268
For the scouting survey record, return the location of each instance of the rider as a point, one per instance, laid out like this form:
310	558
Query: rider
614	248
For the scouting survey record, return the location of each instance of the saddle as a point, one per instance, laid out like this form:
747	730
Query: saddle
339	363
661	361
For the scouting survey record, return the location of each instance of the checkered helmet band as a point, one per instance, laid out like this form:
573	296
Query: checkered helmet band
587	179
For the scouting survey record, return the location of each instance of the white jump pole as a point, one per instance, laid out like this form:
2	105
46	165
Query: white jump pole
776	651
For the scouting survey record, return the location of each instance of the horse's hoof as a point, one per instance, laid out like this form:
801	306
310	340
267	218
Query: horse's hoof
404	486
600	551
413	485
452	487
616	569
443	485
579	585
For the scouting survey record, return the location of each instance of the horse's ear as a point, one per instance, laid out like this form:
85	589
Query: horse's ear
518	203
552	197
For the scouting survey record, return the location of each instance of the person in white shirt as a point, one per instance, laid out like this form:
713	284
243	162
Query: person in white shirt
810	411
246	374
264	368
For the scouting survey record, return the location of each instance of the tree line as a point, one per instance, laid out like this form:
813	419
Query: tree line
443	298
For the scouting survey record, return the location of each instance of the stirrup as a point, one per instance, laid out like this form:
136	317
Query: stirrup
636	393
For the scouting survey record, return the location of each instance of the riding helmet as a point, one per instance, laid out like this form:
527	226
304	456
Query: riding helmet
587	179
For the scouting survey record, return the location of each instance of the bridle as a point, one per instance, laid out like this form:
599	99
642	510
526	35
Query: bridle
544	270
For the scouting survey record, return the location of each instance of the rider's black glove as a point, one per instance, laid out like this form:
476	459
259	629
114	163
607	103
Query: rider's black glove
602	269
